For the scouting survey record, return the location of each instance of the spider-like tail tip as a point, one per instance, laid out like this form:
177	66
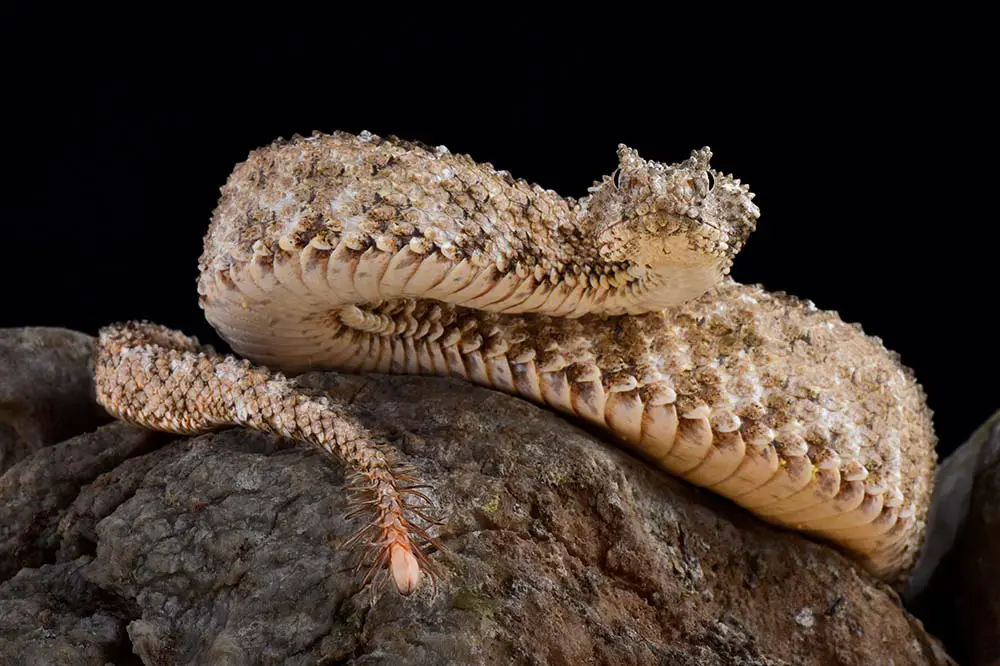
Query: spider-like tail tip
405	569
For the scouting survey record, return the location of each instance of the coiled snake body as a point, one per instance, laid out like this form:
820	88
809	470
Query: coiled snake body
363	254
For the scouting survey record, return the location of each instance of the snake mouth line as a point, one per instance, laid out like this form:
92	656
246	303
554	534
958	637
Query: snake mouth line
684	219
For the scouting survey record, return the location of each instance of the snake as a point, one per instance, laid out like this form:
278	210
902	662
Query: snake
368	254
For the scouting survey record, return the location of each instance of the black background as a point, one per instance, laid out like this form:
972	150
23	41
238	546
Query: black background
862	139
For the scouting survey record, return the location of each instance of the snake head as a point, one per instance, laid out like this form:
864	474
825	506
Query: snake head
684	221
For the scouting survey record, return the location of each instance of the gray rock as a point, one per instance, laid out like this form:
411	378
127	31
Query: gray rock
51	616
46	389
561	549
962	599
36	493
950	502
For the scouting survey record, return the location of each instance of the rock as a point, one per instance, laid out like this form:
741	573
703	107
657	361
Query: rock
46	389
561	549
962	599
51	616
950	502
36	493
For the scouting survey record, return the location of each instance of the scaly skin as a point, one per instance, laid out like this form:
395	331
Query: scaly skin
368	255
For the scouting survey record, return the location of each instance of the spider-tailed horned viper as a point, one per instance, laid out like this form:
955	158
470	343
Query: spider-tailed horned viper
364	254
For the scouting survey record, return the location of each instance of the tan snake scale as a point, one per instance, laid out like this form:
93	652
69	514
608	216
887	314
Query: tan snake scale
364	254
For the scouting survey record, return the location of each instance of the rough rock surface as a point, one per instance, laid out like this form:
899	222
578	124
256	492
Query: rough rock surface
226	548
962	600
46	389
52	616
35	493
950	503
